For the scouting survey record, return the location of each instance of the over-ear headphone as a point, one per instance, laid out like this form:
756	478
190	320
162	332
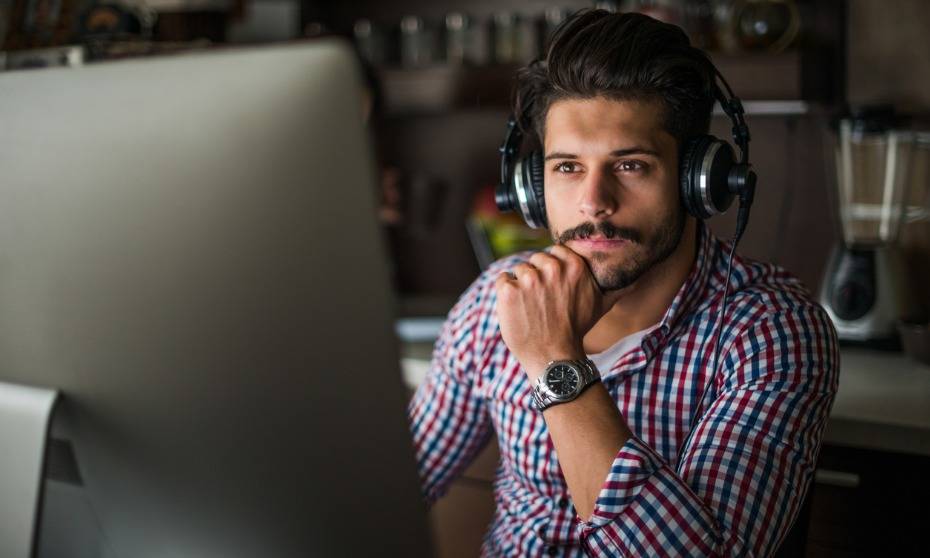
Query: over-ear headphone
709	174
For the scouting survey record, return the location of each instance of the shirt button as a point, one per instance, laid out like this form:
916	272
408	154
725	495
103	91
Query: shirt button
552	550
563	502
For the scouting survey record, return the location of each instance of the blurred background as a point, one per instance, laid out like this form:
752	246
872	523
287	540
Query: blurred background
837	94
440	75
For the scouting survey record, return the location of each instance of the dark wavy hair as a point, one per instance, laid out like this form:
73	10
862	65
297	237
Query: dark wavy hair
595	53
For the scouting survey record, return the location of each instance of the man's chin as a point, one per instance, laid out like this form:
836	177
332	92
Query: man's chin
612	275
607	260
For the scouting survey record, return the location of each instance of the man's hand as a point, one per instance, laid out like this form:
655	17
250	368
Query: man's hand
546	306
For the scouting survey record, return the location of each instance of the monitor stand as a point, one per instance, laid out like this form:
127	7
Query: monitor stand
25	416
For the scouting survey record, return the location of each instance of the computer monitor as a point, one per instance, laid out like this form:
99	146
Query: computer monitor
189	252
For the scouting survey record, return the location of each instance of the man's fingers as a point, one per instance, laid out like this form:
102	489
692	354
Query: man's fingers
565	254
574	264
549	265
561	262
526	274
506	286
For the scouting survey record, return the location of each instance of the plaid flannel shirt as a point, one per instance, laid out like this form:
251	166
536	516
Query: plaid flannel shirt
732	487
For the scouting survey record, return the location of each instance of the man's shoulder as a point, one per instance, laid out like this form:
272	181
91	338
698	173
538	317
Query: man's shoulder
768	297
771	287
755	286
759	292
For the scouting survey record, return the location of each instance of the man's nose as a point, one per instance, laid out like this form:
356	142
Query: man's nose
598	195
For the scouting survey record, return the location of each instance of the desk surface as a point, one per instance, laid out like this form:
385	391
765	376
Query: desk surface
883	402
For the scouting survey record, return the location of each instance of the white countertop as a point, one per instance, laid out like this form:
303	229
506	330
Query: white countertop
883	401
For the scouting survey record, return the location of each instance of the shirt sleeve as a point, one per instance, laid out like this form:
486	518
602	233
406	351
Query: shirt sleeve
741	477
448	416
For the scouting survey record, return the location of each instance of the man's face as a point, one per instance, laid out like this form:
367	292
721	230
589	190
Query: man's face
611	185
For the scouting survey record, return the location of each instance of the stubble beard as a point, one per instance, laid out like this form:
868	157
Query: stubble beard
646	251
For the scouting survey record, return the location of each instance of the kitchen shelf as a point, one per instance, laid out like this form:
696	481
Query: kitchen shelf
441	88
769	84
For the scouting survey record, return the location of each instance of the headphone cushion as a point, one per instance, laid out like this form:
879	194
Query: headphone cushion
718	197
535	171
688	174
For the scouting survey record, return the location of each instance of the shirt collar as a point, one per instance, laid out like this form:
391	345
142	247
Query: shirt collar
688	296
692	290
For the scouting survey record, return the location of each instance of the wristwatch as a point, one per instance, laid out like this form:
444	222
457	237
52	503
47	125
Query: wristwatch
563	381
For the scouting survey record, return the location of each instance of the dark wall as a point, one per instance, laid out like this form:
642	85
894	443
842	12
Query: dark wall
889	52
793	222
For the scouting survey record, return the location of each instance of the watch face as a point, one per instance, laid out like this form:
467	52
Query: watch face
562	380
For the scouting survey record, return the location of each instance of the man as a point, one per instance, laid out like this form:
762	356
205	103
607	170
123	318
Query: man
638	464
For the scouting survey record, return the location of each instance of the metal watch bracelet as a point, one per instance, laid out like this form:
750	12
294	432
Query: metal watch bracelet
544	398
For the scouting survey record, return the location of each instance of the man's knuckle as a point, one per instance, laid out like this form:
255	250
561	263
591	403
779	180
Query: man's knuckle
551	267
504	291
574	264
530	278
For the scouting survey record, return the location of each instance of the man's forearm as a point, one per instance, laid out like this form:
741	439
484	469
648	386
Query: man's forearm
545	307
587	434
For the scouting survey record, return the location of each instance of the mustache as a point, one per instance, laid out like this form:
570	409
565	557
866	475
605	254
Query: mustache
607	230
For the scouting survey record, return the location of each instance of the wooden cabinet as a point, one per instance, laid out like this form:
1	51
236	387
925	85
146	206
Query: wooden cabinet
869	503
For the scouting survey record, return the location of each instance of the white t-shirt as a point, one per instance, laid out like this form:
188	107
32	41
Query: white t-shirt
605	360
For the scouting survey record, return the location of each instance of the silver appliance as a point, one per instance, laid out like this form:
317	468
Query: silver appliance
881	168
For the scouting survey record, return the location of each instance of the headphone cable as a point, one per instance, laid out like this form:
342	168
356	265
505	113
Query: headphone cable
742	219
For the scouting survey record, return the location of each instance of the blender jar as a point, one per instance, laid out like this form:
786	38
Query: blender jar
872	172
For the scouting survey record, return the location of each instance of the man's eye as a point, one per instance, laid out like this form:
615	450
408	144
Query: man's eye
630	166
565	166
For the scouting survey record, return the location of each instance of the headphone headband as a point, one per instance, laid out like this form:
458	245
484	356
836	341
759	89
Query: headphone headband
733	108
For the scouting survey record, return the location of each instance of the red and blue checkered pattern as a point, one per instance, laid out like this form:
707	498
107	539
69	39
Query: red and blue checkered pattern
732	488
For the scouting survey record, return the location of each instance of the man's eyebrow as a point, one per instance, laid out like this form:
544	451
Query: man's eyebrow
616	153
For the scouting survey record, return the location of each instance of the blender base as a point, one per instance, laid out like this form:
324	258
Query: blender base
865	294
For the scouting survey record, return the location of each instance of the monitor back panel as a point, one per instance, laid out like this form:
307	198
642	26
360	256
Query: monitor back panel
189	252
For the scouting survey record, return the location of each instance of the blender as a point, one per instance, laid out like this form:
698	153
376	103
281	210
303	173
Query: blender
880	169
